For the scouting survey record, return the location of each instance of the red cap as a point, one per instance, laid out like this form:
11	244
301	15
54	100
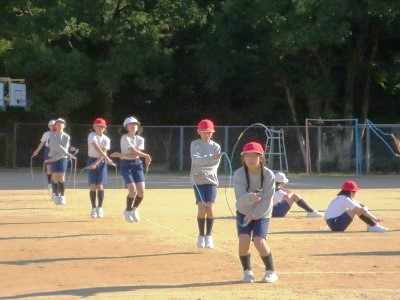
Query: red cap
350	186
100	122
253	147
205	126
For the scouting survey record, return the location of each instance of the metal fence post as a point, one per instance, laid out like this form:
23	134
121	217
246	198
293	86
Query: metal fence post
368	151
181	135
15	146
319	149
226	146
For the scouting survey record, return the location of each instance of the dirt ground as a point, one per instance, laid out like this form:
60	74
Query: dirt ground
59	252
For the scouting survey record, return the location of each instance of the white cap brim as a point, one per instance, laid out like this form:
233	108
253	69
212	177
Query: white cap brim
60	120
131	120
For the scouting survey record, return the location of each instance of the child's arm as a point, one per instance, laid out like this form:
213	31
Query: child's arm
241	193
201	159
95	163
102	152
137	152
267	195
367	213
288	192
36	152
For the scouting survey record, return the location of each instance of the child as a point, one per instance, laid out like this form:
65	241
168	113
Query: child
344	207
254	188
206	155
284	198
59	155
44	141
132	167
98	144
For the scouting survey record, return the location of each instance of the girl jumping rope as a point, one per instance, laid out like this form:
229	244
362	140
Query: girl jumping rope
98	144
132	146
59	155
344	207
254	188
44	141
206	155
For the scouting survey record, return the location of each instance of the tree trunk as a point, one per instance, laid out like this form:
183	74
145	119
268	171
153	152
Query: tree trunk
291	102
367	89
108	102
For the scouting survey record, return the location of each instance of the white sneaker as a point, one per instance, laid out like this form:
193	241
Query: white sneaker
270	276
94	213
376	228
314	214
49	187
248	276
201	241
55	199
128	216
100	212
62	200
135	215
209	242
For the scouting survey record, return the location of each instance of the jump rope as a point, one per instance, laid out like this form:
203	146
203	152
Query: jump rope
379	133
229	160
243	224
223	154
87	168
72	161
258	191
227	189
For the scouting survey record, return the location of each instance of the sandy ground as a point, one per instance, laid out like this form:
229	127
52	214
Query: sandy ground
50	251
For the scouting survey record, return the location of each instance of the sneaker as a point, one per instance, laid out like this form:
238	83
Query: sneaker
49	187
94	213
100	212
62	200
270	276
209	242
314	214
128	216
135	215
201	241
55	199
248	276
376	228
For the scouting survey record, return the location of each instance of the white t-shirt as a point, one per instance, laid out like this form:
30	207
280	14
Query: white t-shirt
126	141
103	142
278	196
339	205
45	138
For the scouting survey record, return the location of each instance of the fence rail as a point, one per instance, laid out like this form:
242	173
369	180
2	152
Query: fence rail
331	149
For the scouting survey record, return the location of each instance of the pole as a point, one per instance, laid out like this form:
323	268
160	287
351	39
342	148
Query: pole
226	143
181	131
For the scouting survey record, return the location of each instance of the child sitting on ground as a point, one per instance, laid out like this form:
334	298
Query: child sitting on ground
284	199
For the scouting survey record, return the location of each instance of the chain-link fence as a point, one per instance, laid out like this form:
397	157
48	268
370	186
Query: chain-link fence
332	149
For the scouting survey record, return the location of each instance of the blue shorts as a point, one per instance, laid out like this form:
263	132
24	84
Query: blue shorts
208	193
59	166
98	175
339	223
280	209
259	227
132	170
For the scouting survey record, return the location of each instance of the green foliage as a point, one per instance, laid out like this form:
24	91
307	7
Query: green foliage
174	61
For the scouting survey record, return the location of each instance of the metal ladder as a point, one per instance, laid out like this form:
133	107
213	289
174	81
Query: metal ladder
275	150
